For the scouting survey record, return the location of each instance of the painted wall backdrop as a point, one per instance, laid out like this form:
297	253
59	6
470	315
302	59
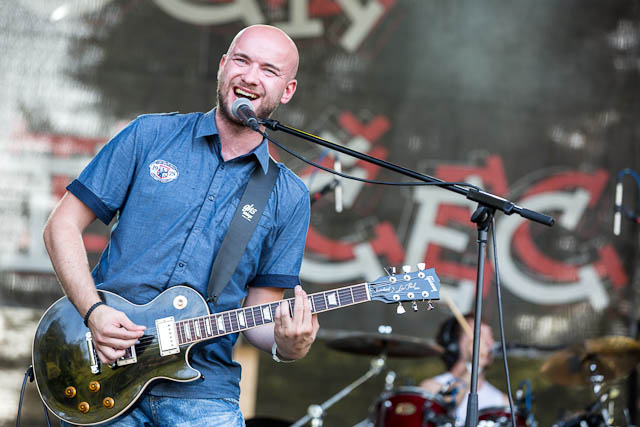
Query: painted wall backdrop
537	102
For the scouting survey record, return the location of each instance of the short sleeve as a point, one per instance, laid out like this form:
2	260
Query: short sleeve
280	265
104	183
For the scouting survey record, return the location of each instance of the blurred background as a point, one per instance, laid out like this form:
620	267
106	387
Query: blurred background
537	102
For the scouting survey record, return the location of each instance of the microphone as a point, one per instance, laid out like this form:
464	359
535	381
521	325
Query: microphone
242	109
617	216
337	166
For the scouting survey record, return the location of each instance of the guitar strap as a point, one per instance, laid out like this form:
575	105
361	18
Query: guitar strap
254	200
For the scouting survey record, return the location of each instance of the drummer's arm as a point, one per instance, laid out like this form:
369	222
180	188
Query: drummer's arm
431	385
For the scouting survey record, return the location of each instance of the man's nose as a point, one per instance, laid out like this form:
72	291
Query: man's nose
251	76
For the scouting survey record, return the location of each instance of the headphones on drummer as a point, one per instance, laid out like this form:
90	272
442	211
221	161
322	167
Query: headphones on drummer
448	336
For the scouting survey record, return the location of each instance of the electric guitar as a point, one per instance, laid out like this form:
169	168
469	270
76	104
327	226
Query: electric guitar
79	389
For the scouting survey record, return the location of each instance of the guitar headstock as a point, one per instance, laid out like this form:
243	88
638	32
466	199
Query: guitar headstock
420	285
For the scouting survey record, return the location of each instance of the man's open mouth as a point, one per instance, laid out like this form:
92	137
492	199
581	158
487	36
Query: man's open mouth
241	93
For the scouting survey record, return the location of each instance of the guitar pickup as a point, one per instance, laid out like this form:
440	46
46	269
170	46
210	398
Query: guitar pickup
128	358
167	336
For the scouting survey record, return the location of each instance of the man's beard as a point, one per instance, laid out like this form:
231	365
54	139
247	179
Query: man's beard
264	111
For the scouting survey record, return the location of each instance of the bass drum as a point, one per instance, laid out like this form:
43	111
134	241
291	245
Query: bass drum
411	407
499	417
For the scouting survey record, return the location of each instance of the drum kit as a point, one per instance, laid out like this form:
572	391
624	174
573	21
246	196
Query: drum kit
592	363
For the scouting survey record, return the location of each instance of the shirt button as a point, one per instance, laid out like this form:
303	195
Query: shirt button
181	264
211	197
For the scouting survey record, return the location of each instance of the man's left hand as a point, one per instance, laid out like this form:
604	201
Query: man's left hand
294	335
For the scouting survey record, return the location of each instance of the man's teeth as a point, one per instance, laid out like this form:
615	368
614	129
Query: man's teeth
240	92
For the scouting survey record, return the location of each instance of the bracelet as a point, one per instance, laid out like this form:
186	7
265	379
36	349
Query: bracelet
274	354
93	307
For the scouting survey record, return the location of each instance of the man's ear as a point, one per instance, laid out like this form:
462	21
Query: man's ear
288	92
223	61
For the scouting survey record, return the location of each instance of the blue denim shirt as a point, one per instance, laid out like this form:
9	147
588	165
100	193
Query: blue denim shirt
174	196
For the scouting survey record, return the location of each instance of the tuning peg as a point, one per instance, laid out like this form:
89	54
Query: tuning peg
430	306
406	268
414	306
422	266
400	309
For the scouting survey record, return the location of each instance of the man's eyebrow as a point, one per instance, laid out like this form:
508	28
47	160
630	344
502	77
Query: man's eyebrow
266	64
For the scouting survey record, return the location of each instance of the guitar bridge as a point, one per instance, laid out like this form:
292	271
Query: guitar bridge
94	361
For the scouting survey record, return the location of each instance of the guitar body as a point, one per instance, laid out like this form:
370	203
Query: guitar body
62	357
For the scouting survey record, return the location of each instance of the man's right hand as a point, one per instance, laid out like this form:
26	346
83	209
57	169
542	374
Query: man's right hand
112	332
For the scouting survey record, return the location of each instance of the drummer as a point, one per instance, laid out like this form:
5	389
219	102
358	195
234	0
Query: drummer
458	353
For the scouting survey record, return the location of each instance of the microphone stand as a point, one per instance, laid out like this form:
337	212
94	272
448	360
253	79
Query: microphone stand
482	217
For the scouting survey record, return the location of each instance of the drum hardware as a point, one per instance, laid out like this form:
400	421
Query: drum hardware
315	413
593	362
377	344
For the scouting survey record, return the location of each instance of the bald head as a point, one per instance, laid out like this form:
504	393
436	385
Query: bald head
260	65
277	39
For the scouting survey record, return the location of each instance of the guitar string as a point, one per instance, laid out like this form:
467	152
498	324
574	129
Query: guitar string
205	337
150	335
265	321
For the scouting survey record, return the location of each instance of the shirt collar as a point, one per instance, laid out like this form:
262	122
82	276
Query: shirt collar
207	126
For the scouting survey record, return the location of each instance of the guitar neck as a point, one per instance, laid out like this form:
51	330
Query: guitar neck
228	322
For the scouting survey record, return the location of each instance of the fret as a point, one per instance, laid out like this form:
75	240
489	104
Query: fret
196	327
249	315
267	316
203	329
233	320
257	315
332	299
187	331
181	337
319	301
214	326
313	306
241	319
207	326
360	293
290	303
344	296
273	307
227	322
220	323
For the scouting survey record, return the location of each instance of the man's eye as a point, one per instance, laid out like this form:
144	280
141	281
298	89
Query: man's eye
240	60
270	72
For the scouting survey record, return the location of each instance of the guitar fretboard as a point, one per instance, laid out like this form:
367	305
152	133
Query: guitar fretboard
228	322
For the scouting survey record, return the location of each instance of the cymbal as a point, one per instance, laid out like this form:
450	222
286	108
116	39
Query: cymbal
614	357
373	344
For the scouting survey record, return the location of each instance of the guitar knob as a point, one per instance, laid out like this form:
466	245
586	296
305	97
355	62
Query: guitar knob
84	407
108	402
70	392
94	386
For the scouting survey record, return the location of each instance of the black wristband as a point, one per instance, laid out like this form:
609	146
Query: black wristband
93	307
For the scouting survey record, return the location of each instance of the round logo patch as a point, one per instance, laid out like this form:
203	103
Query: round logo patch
163	171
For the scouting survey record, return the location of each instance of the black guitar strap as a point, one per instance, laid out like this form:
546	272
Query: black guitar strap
246	218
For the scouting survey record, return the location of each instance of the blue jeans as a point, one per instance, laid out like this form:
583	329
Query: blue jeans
170	411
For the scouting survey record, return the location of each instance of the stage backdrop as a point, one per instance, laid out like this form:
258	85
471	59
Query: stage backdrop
537	102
